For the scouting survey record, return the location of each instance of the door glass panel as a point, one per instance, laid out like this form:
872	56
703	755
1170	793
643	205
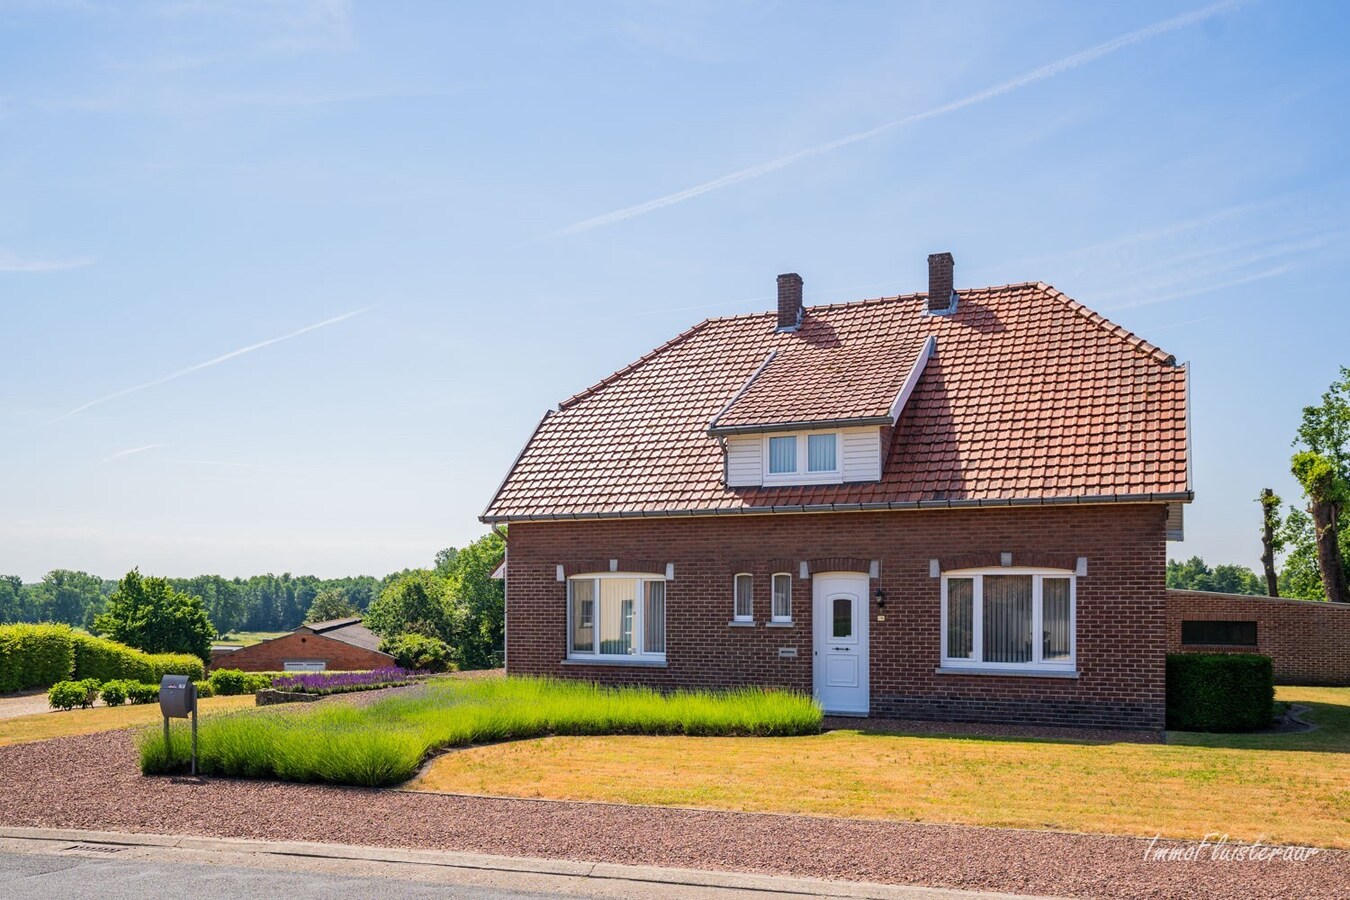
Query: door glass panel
843	617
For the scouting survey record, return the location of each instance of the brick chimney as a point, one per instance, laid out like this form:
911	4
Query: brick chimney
941	297
789	302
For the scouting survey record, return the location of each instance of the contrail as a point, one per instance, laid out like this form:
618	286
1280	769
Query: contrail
134	450
1047	71
208	364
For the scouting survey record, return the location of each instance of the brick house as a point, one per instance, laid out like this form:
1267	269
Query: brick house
952	505
335	645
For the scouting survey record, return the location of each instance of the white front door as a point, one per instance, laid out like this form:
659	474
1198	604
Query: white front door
839	604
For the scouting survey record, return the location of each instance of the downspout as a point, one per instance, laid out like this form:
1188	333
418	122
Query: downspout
506	575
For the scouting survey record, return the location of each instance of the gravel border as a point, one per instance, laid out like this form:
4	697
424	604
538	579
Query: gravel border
92	782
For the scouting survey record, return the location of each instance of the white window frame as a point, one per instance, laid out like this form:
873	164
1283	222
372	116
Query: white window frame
1037	664
773	591
639	653
802	475
736	615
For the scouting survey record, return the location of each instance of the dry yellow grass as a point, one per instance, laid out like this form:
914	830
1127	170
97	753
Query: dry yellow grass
1281	788
44	726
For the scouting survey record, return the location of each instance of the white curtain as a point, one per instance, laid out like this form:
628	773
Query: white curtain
744	605
820	450
782	597
782	454
1007	618
618	599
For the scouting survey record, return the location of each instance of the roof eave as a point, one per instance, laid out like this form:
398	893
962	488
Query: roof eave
802	425
879	506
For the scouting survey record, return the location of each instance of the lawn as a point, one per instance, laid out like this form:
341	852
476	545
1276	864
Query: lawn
44	726
247	638
1290	788
385	742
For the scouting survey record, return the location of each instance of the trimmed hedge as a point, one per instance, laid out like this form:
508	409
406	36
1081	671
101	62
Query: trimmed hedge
1219	691
232	682
34	656
108	660
39	656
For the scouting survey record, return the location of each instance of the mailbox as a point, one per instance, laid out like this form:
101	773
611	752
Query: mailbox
177	697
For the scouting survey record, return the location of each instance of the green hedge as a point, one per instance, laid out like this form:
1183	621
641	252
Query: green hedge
1219	691
232	682
108	660
34	656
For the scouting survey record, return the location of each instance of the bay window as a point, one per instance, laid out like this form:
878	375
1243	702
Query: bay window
1008	619
615	616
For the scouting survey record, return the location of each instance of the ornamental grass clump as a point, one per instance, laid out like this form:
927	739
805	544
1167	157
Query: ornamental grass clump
385	743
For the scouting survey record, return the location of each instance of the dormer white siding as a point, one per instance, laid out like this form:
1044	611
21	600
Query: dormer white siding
860	454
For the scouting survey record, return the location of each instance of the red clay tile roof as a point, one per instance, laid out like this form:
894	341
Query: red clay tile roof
822	379
1029	397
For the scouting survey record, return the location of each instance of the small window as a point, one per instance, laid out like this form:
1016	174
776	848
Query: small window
782	455
782	597
820	452
743	608
1232	634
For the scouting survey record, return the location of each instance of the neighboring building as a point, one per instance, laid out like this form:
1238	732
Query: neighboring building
1308	641
952	505
338	644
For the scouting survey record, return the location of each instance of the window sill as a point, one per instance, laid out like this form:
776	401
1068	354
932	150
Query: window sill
642	663
735	624
1016	673
787	624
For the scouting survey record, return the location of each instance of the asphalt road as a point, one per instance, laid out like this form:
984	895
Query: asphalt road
53	877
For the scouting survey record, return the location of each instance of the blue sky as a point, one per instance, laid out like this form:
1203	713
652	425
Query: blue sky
486	209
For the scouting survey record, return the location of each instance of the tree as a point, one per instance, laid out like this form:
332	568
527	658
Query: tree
1270	538
14	606
147	613
1300	576
223	599
478	603
67	596
413	603
1195	575
1322	468
445	561
330	603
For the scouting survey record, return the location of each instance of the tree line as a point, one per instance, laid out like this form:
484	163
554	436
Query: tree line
463	602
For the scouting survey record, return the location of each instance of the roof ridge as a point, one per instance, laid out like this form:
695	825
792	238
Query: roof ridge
1135	341
619	373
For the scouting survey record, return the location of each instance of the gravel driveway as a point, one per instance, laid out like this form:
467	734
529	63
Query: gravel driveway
92	782
14	705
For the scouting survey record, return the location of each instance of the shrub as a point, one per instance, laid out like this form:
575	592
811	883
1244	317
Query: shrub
108	660
342	682
385	742
204	690
229	682
418	652
115	693
1219	691
139	693
70	694
34	656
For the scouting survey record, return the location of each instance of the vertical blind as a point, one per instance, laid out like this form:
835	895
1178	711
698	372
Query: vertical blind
583	615
1055	613
960	618
654	640
1007	618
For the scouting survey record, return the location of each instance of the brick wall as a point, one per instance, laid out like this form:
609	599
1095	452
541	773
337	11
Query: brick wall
1121	613
269	656
1307	640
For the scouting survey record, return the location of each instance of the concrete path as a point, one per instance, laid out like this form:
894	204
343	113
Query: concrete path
60	863
24	704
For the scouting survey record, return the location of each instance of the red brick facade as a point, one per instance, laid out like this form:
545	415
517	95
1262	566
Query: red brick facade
1308	641
271	656
1121	603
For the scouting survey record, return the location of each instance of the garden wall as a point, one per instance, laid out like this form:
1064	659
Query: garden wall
1307	640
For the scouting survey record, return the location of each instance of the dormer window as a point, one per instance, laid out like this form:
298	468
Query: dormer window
802	458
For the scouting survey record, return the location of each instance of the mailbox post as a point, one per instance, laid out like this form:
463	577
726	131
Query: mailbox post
178	700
